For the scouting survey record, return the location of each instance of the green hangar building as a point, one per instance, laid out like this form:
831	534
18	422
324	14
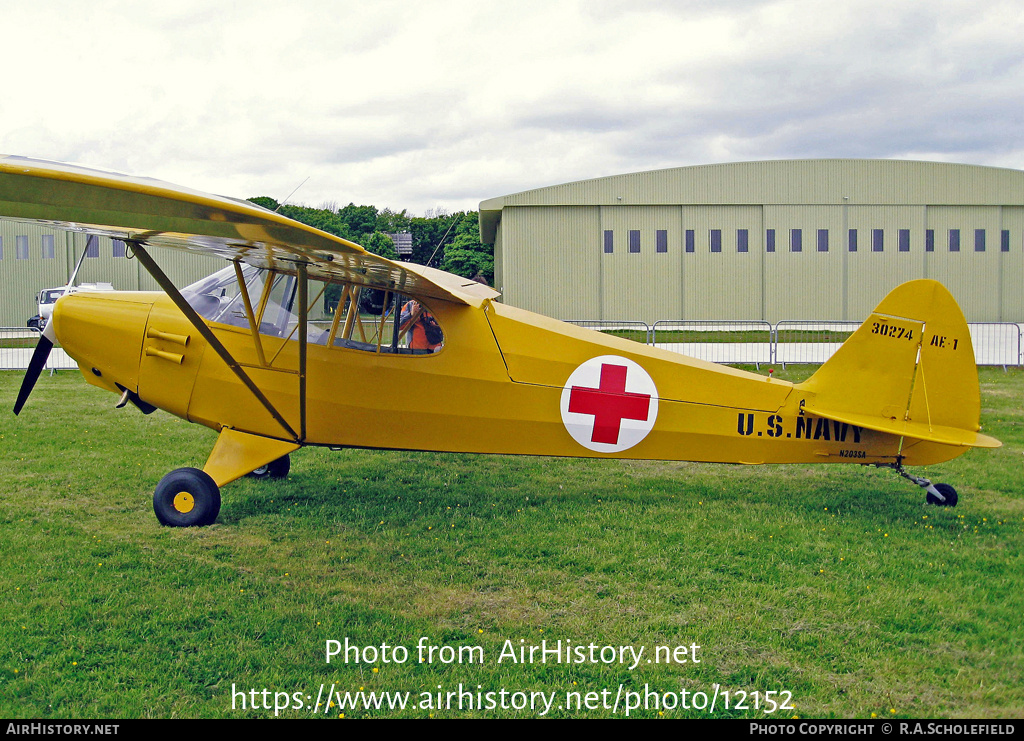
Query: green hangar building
37	256
797	240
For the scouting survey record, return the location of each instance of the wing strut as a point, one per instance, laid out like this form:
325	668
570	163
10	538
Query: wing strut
208	335
303	331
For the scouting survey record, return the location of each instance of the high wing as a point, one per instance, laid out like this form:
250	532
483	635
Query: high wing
159	214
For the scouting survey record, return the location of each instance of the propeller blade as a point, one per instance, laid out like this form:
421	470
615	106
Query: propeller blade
36	365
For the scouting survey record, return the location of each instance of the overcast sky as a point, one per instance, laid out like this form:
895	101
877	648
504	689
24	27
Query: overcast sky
426	105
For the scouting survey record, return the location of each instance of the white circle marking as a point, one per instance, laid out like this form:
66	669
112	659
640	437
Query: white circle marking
609	404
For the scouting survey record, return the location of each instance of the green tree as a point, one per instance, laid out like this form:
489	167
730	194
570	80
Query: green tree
319	218
390	222
466	255
359	219
380	243
266	201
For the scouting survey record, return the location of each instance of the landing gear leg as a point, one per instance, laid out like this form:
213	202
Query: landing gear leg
941	495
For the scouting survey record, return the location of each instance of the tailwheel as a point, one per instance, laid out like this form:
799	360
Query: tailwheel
186	497
949	498
274	470
941	495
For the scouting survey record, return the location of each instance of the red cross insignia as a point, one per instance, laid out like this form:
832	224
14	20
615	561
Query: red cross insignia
609	404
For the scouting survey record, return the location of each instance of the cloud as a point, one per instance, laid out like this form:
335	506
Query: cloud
444	104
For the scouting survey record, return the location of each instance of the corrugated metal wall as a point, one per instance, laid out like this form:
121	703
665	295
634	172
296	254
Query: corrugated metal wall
568	267
800	280
1011	287
827	181
27	266
879	265
720	281
825	239
970	271
632	235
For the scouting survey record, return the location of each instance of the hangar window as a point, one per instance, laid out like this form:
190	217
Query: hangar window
877	240
929	240
852	240
634	240
48	251
609	241
689	240
742	240
118	248
21	247
954	240
823	240
979	240
716	240
796	240
92	246
661	240
769	243
904	240
1005	246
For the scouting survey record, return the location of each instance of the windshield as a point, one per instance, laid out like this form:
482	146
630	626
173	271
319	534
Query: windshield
50	296
212	297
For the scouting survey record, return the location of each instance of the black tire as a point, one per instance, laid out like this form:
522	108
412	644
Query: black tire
274	470
945	490
186	497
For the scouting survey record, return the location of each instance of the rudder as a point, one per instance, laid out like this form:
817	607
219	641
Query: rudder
908	370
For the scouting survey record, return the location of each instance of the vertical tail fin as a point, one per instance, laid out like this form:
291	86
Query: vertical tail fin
909	370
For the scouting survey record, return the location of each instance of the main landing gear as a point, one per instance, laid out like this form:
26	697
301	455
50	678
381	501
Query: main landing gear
941	495
274	470
186	497
189	497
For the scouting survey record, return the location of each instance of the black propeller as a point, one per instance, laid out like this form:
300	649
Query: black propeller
36	365
46	340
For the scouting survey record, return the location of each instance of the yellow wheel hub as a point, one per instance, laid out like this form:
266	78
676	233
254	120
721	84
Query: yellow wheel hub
183	502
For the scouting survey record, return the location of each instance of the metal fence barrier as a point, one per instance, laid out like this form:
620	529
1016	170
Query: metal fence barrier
810	342
747	342
996	343
756	342
734	342
636	331
17	345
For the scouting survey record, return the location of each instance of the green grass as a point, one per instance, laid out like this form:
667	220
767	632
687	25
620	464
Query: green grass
835	583
19	342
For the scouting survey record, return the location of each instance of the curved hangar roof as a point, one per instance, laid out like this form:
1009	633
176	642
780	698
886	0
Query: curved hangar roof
802	182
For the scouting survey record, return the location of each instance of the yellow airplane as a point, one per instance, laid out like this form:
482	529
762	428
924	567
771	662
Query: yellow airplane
307	339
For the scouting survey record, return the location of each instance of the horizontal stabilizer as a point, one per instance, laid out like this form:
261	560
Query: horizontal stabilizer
917	430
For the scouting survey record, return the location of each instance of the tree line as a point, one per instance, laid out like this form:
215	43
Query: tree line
450	242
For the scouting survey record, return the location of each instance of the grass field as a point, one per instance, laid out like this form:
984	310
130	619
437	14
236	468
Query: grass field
835	584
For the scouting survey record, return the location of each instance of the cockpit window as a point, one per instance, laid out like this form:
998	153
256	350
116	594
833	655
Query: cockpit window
215	296
372	319
339	314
